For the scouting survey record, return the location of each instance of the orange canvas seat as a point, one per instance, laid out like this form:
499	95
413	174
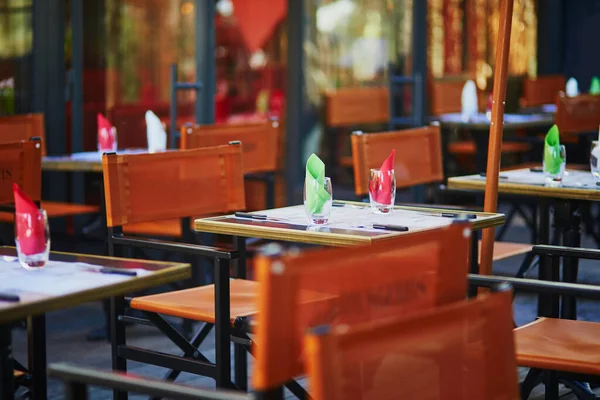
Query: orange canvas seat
559	345
400	276
462	351
198	303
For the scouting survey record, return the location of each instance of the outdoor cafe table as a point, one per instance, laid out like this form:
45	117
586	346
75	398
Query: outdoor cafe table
577	187
349	225
88	161
479	126
67	280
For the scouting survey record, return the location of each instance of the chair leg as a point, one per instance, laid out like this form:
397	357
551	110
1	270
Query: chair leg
509	218
581	390
551	384
117	336
533	378
527	264
222	324
240	356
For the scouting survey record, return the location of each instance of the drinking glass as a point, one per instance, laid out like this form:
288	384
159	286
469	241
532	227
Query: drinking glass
595	160
32	237
382	190
554	178
318	217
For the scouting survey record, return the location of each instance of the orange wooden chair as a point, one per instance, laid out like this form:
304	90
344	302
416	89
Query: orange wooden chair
541	90
575	115
25	127
418	161
445	98
178	184
460	351
399	276
348	108
263	154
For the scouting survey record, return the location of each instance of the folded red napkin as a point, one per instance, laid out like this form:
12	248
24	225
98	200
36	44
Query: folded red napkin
381	190
107	135
30	230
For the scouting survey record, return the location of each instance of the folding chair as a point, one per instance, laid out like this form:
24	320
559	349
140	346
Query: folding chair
177	184
25	127
262	149
460	351
556	350
77	380
395	277
541	90
348	108
20	163
418	161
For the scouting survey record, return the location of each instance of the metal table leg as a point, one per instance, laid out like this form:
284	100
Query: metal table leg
547	305
240	355
571	238
36	354
474	260
7	385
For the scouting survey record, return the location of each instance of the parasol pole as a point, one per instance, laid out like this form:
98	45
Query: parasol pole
496	126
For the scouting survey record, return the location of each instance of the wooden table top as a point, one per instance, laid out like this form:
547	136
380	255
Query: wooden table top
577	185
340	231
33	303
89	161
480	122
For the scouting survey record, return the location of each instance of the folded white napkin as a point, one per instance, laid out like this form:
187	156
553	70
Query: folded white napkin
469	103
572	89
157	137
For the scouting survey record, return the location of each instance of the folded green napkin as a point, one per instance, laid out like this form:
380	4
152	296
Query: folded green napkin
595	86
552	157
316	195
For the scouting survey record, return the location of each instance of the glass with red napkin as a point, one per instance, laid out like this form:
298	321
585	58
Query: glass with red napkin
107	135
382	186
32	234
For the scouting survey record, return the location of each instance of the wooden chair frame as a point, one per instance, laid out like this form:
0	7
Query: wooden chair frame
23	127
541	90
193	360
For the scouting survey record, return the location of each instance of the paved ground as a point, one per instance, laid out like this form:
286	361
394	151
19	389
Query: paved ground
67	329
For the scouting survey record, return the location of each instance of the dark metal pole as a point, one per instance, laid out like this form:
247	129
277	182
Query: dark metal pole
6	363
173	106
419	52
36	352
295	100
205	61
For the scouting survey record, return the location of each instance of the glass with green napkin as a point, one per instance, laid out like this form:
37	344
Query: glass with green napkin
317	191
555	157
595	86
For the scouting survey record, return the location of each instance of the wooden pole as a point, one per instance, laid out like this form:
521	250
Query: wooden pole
496	126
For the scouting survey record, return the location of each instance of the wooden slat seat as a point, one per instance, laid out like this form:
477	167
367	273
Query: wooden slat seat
560	345
468	147
503	250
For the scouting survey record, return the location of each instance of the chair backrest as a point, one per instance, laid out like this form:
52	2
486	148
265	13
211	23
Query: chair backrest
460	351
23	127
260	142
357	106
445	96
418	156
173	184
579	114
541	90
347	286
21	163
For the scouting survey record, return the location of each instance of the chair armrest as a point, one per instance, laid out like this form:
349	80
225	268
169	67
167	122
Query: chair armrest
166	245
149	387
536	286
563	251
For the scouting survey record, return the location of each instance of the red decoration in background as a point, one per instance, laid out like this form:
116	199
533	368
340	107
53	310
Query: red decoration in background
256	19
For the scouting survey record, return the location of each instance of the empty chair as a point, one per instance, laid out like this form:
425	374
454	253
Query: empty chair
541	90
262	149
176	185
460	351
399	276
575	115
20	163
418	161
